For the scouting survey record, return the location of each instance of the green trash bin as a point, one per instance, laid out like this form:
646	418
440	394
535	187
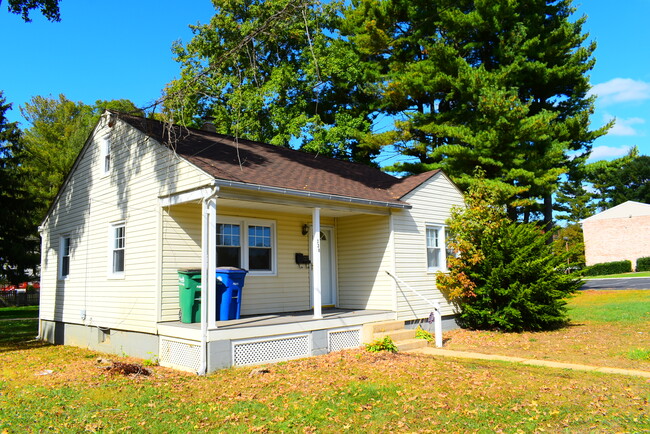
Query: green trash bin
189	295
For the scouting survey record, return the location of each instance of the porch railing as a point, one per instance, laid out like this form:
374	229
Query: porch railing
437	315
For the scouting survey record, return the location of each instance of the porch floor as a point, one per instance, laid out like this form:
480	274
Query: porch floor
272	319
275	323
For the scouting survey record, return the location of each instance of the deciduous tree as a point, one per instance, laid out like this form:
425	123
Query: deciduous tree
49	8
275	71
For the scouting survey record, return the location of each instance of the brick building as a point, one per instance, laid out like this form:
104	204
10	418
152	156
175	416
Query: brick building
617	234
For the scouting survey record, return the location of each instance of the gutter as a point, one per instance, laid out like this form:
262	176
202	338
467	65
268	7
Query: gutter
310	194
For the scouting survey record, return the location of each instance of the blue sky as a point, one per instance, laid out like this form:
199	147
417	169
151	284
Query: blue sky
122	49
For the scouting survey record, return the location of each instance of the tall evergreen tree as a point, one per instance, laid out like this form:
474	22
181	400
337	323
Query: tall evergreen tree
18	239
620	180
497	84
573	201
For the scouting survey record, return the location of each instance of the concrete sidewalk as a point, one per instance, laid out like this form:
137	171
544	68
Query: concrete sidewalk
532	362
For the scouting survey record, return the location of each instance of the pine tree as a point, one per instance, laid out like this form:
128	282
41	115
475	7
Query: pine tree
620	180
574	202
18	238
500	85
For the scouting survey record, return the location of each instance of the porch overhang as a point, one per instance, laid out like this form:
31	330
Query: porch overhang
292	197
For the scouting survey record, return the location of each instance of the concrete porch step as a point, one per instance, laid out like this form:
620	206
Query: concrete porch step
403	338
397	335
386	326
411	344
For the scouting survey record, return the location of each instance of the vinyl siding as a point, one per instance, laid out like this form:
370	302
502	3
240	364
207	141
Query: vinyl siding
364	254
181	248
287	291
431	204
141	171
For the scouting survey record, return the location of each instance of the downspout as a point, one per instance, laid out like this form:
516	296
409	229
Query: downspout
41	229
208	269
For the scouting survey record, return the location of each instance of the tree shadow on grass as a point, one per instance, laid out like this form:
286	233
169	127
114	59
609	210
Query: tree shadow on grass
18	335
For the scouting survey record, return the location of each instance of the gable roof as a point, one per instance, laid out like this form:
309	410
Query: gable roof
624	210
256	163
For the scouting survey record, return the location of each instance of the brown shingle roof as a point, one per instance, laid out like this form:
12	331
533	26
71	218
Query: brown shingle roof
257	163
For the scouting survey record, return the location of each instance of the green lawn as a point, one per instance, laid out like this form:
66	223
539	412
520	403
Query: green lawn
19	312
622	275
62	389
629	306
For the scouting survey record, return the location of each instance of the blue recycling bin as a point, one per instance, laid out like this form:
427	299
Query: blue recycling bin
230	281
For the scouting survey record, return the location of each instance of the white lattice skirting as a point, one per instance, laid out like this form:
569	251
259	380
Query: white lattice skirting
251	352
343	339
180	354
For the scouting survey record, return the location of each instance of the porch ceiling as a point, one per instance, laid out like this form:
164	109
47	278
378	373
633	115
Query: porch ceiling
287	204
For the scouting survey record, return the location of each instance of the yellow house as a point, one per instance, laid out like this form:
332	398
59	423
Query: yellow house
330	247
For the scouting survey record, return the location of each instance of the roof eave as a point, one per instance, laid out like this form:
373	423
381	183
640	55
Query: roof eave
310	194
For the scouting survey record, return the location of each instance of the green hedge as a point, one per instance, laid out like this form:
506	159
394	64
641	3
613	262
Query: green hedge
643	264
608	268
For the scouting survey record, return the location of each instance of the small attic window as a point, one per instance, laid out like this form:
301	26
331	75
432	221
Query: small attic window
105	146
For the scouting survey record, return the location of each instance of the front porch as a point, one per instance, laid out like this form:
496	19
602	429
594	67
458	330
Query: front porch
267	338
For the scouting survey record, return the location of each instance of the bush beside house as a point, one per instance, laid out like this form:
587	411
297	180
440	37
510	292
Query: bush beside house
506	276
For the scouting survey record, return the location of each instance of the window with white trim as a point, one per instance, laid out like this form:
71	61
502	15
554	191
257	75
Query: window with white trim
105	146
228	245
259	248
64	257
247	244
436	250
117	250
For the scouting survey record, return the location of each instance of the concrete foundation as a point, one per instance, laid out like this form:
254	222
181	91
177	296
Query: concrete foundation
121	342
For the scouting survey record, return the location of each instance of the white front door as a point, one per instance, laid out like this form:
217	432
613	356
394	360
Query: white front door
328	280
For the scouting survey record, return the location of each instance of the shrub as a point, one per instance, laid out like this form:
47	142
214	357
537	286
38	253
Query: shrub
420	333
384	344
608	268
643	264
506	276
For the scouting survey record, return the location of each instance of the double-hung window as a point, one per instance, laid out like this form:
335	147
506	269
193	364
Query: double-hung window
105	146
436	250
118	246
64	257
259	248
248	244
228	245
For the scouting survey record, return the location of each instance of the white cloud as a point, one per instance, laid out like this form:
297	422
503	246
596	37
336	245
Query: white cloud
608	152
620	90
624	127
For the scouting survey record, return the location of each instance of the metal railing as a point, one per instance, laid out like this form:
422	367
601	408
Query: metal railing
437	315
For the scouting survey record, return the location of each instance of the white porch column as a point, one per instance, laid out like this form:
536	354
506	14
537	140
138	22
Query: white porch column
211	255
208	273
316	263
